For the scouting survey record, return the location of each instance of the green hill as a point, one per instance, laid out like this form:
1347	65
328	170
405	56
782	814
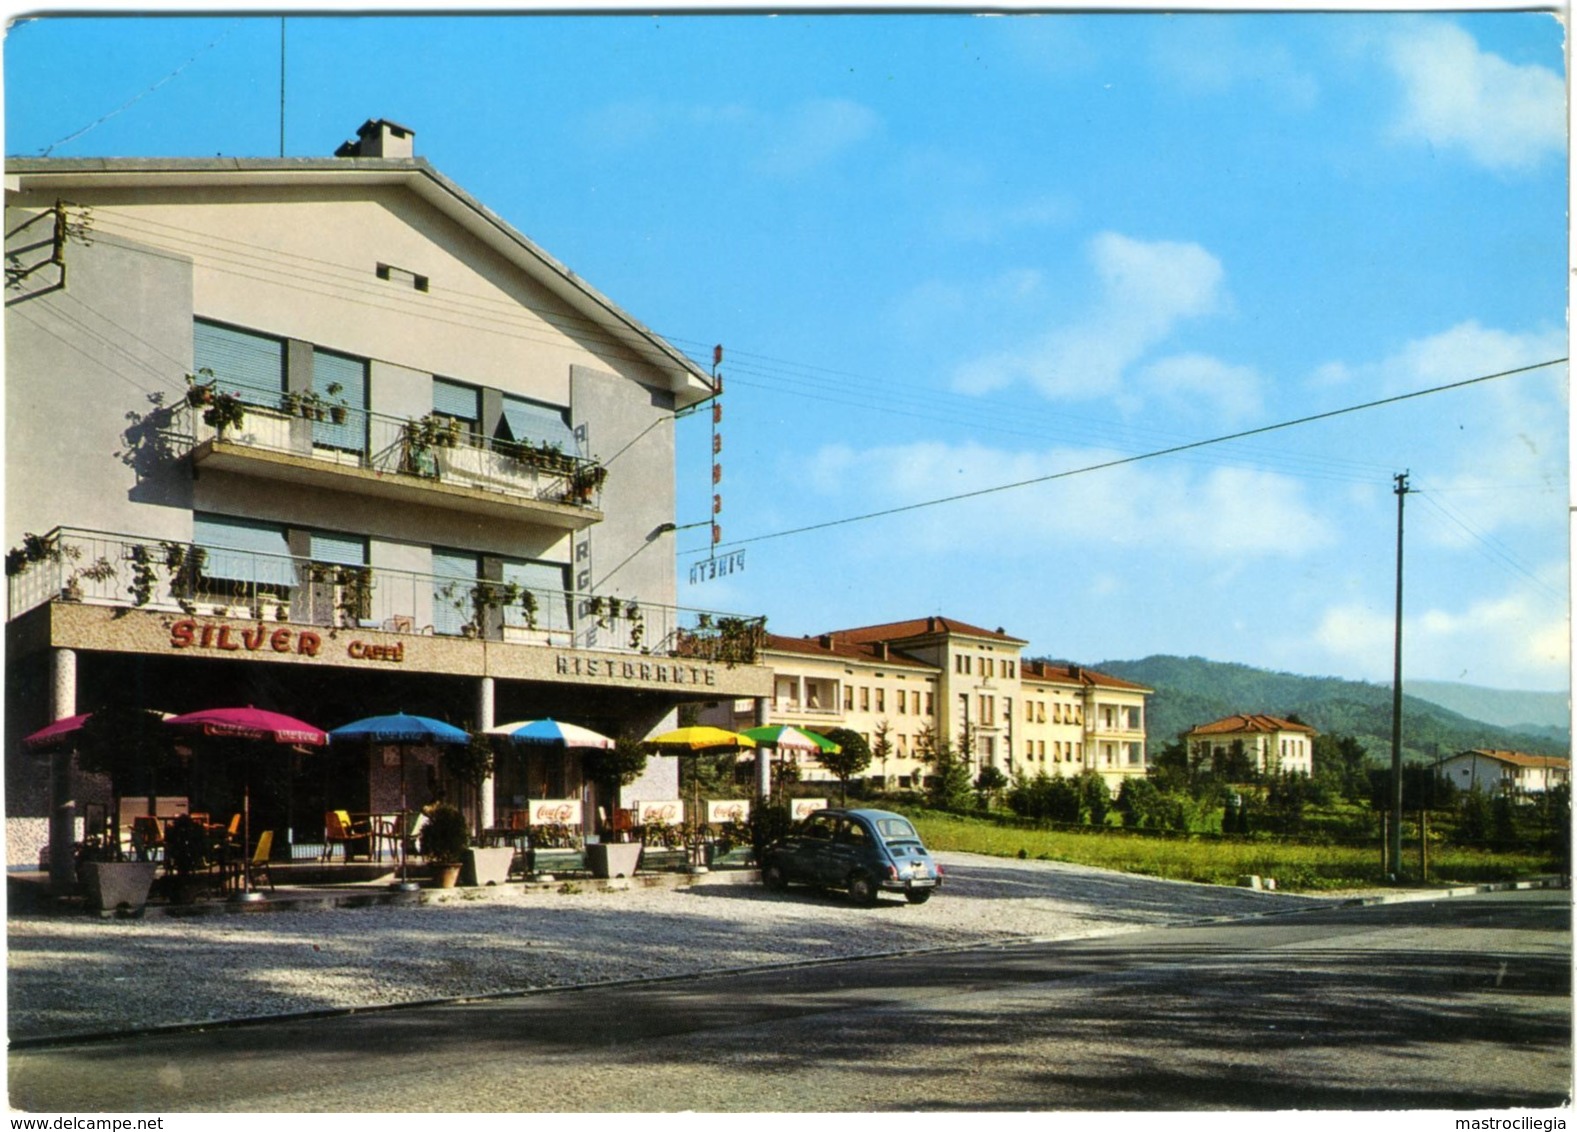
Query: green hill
1190	691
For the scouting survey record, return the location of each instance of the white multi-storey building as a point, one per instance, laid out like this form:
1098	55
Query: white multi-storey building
328	436
936	678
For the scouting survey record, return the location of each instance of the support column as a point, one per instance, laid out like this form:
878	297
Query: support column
484	720
62	805
763	754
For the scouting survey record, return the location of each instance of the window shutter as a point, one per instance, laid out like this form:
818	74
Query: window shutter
455	400
252	365
259	552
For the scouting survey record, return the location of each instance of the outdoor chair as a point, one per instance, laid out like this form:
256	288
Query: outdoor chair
257	864
147	838
340	830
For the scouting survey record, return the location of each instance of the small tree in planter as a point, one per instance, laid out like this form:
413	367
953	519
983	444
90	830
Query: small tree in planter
618	767
131	746
445	839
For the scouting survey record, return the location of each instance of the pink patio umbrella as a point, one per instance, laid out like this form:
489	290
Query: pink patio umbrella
254	725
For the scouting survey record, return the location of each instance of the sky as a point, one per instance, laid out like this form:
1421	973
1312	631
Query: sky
948	253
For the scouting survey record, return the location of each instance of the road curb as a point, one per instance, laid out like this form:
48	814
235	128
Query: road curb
1545	882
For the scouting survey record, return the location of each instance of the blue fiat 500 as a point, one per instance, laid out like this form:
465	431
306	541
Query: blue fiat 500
864	852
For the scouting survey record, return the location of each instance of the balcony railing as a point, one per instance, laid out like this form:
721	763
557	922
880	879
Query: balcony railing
428	448
93	567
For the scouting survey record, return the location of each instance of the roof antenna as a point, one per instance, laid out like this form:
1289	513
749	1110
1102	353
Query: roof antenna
281	86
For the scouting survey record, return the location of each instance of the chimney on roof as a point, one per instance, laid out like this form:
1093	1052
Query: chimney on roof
1075	672
828	640
881	651
930	624
379	137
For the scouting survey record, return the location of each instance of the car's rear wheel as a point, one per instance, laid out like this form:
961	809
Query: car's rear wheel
918	895
862	889
773	876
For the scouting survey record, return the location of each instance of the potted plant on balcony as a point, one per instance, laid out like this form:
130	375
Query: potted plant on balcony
586	481
339	409
34	549
200	393
445	839
102	570
224	410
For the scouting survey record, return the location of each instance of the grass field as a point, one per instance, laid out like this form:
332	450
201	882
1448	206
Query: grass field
1295	867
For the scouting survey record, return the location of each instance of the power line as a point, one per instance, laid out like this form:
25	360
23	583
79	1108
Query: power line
1492	549
133	100
1121	461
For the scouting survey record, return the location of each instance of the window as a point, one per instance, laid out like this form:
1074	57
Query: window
243	553
1007	709
987	667
881	699
914	702
930	703
536	424
341	382
865	699
455	573
243	362
848	697
456	402
339	563
903	703
548	583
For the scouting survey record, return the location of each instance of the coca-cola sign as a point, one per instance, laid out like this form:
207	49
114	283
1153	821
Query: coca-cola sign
804	807
554	811
727	810
666	811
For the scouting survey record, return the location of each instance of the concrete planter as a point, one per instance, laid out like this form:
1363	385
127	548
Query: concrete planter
486	866
613	858
112	885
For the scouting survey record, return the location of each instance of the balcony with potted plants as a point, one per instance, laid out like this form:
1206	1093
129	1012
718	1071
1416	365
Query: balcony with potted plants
125	572
307	437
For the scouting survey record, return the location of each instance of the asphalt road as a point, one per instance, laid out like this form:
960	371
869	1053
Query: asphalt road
1452	1004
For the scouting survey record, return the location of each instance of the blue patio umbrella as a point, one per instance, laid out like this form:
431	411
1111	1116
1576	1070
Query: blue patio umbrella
403	731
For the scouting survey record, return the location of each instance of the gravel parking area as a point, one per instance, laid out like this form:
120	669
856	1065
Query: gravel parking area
70	975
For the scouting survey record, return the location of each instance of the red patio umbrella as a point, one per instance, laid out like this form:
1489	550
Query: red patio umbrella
257	725
56	733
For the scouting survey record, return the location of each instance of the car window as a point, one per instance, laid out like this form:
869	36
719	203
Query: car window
896	829
820	828
853	833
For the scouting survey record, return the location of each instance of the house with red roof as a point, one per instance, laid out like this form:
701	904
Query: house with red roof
1511	772
1275	745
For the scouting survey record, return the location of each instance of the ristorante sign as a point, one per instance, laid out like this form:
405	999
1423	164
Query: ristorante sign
645	671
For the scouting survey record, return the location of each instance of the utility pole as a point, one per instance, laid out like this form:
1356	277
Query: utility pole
1395	856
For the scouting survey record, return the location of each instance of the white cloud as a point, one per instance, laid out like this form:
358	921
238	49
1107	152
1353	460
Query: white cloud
1456	96
1505	641
1511	435
809	135
1219	516
1144	290
1209	56
1204	385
